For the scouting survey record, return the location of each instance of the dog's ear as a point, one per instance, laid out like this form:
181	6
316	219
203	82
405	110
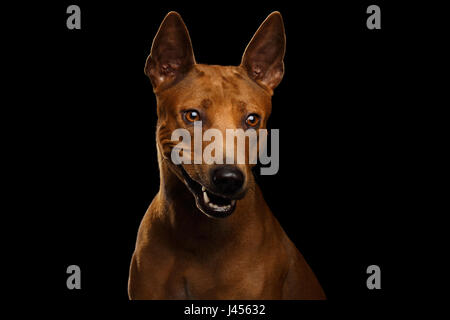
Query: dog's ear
263	57
171	56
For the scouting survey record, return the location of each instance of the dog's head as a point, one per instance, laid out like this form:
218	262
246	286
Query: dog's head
221	97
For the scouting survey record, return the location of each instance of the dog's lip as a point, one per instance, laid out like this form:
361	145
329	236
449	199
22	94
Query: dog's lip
208	208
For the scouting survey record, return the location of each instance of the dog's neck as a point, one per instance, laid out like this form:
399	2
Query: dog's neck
180	213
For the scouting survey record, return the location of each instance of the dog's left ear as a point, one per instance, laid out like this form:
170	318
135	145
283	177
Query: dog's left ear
263	57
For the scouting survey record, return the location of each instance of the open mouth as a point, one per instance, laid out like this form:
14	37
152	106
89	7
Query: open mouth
209	203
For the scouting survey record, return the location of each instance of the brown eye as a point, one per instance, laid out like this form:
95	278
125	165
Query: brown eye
191	116
252	120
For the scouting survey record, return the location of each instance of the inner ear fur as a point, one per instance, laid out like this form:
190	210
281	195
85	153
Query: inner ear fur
171	56
263	57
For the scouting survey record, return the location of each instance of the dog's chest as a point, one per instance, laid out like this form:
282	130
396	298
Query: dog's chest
228	281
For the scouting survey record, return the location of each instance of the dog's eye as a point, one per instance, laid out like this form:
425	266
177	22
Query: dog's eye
191	116
252	120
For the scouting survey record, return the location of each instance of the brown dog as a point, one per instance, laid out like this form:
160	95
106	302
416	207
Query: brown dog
184	249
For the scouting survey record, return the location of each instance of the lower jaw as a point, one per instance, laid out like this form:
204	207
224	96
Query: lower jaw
215	212
202	201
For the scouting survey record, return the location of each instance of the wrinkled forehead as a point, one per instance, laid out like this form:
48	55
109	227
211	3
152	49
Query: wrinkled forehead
211	86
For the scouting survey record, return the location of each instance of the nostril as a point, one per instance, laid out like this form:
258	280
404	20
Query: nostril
228	180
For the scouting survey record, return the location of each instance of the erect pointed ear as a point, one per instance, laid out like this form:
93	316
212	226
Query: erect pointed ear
171	56
263	57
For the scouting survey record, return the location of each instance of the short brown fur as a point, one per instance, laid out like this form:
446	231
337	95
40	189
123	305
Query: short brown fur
180	252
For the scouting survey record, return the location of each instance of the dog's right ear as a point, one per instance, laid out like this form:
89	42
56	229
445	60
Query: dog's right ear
171	56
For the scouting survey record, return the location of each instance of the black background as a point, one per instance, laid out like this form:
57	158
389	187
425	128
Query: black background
338	193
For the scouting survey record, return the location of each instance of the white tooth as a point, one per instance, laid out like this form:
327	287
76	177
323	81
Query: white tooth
203	189
205	197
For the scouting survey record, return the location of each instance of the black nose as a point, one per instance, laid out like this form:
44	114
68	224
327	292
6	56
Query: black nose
228	180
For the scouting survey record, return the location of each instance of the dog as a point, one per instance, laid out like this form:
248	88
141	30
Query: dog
208	233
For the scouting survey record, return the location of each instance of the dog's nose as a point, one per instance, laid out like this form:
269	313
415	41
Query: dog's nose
228	180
